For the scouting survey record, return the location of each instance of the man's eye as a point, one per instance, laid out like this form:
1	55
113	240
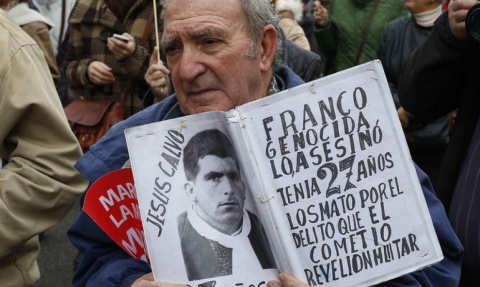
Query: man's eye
210	41
215	177
169	50
234	176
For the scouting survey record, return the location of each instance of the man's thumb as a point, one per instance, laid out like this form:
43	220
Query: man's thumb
274	284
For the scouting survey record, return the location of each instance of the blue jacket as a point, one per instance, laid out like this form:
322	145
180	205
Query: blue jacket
105	264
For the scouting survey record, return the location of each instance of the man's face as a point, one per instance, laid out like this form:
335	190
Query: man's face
419	6
206	44
219	193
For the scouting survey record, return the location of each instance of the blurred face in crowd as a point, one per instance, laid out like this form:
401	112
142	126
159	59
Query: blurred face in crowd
419	6
213	61
4	3
219	193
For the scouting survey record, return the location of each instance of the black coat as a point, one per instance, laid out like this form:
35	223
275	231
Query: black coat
440	76
400	38
307	65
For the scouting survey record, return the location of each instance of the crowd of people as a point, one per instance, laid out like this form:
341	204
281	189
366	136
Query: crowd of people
184	57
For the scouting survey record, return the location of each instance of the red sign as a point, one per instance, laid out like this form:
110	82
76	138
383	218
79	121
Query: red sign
112	203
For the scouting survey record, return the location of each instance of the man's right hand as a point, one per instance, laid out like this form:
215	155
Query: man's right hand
100	74
457	14
402	115
147	281
320	14
157	77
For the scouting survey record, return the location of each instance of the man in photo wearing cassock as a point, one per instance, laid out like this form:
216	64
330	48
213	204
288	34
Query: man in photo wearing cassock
219	237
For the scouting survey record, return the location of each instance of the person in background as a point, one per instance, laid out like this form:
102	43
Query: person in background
306	64
440	76
220	54
348	32
290	13
400	37
38	183
103	67
36	26
58	11
307	23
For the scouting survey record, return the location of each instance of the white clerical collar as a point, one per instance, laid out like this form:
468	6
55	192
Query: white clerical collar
205	230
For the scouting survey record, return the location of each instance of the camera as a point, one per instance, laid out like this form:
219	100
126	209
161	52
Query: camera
473	22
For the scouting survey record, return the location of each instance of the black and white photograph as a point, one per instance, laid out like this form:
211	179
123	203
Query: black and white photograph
217	230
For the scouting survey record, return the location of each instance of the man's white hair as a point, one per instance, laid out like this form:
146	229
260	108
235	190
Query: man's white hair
259	14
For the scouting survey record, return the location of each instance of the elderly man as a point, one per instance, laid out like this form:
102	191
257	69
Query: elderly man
217	227
220	54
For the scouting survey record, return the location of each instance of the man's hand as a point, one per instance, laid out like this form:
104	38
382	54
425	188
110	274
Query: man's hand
147	281
100	74
157	77
288	280
402	115
120	49
457	14
320	14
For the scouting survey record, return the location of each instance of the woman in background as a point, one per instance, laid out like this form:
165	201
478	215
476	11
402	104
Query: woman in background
105	67
36	26
290	13
348	31
400	37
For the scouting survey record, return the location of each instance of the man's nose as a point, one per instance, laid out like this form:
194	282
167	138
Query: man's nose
229	185
191	64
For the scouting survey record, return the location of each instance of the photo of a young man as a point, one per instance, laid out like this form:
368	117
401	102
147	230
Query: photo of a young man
218	235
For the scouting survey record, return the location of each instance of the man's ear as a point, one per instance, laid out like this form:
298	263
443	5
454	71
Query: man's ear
268	47
190	190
